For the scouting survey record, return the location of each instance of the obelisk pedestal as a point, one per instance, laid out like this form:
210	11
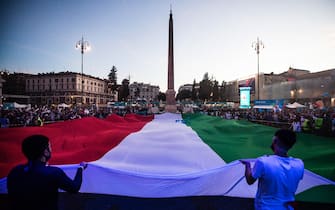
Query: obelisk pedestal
170	101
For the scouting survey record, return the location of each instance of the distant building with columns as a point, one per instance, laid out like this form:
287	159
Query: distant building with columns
66	87
142	91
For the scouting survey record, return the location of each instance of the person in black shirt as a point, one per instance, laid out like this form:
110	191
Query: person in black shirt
35	185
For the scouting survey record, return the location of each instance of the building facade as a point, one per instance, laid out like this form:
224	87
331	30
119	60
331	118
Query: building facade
303	87
292	85
141	91
13	87
66	87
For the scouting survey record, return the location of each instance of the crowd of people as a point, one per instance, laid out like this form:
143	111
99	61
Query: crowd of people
39	115
321	122
304	120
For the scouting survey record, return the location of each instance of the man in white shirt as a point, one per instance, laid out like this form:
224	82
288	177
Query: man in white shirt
278	175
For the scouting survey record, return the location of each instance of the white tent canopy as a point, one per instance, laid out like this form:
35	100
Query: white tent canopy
63	105
295	105
17	105
263	107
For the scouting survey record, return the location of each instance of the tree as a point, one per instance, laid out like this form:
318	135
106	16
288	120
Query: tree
112	79
161	96
205	89
194	91
215	91
124	90
222	90
184	94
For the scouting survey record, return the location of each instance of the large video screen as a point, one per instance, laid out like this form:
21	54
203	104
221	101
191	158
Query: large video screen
248	83
245	97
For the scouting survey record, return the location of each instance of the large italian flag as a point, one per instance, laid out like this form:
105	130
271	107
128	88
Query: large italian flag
170	155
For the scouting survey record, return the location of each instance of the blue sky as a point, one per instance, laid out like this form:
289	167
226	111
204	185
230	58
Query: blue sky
213	36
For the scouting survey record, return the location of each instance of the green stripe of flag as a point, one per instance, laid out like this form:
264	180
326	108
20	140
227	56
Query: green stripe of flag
236	139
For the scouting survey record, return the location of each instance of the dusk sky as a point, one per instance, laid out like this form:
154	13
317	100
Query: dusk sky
214	36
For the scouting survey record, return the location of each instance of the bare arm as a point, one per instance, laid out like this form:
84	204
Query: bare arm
69	185
247	173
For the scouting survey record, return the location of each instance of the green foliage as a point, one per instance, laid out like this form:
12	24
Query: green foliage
112	78
205	89
124	90
184	94
161	96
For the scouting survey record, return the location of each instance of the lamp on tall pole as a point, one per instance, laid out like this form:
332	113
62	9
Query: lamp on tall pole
84	46
257	46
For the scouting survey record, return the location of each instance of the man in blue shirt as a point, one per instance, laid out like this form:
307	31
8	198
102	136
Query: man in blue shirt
35	185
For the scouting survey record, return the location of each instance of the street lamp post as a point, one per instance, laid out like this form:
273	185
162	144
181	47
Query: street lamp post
84	46
257	46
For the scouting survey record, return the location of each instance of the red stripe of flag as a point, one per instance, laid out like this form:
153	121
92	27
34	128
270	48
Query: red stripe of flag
86	139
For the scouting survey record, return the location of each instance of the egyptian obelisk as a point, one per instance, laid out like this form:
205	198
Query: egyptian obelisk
170	93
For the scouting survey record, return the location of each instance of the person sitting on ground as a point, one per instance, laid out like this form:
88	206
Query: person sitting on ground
278	175
35	185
